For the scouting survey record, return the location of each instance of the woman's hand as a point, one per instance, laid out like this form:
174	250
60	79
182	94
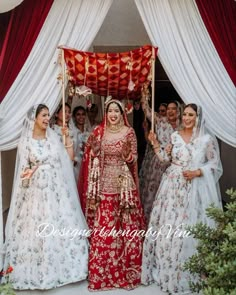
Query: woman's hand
145	91
27	173
189	175
65	131
126	151
168	149
95	146
68	141
153	138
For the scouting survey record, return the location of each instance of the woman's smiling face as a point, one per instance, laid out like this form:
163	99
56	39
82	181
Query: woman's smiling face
113	114
189	118
42	119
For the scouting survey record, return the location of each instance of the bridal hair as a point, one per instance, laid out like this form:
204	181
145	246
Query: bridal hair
110	100
116	102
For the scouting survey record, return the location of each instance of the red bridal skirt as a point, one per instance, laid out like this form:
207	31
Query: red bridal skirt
115	244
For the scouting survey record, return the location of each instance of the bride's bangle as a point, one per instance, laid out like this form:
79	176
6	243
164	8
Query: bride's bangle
129	159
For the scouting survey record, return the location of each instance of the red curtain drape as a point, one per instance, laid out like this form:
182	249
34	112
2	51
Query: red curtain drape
5	39
27	21
219	17
4	21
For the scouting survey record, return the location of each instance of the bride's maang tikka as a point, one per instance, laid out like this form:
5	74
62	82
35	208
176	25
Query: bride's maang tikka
109	100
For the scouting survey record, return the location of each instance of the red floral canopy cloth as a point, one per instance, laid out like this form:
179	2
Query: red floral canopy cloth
120	75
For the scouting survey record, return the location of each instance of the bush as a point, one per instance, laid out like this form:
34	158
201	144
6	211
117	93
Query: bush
6	288
215	260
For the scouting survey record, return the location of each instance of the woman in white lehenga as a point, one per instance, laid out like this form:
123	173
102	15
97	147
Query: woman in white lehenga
153	169
43	243
188	187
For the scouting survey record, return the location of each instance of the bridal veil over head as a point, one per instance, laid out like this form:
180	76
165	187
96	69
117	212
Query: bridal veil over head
205	189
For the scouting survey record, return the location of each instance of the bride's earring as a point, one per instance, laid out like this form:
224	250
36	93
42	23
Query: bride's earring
121	123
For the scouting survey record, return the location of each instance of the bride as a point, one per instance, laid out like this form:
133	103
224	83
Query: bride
108	186
41	242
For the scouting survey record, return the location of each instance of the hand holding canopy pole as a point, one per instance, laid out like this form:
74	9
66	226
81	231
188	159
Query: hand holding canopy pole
153	88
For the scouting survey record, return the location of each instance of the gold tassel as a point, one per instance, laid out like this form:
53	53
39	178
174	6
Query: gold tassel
94	185
126	196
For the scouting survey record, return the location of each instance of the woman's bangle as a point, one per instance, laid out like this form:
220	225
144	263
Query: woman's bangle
156	147
199	172
156	150
69	145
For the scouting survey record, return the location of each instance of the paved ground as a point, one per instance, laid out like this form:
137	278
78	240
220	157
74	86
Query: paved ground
81	289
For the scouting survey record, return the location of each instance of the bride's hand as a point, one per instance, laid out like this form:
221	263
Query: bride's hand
95	146
126	150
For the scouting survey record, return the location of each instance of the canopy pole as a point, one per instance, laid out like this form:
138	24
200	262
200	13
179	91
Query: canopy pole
153	88
63	93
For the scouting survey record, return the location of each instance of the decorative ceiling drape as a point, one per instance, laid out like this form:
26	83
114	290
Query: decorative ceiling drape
118	74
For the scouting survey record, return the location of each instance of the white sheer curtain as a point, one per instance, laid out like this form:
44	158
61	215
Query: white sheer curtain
191	62
6	5
73	23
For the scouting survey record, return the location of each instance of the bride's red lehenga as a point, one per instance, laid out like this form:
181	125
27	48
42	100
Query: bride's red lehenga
111	204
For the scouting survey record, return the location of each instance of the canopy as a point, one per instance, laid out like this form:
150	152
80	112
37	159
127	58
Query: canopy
118	74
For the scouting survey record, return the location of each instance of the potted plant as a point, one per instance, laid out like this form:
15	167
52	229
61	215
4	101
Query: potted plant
214	263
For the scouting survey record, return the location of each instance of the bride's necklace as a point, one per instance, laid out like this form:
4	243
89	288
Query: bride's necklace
114	128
